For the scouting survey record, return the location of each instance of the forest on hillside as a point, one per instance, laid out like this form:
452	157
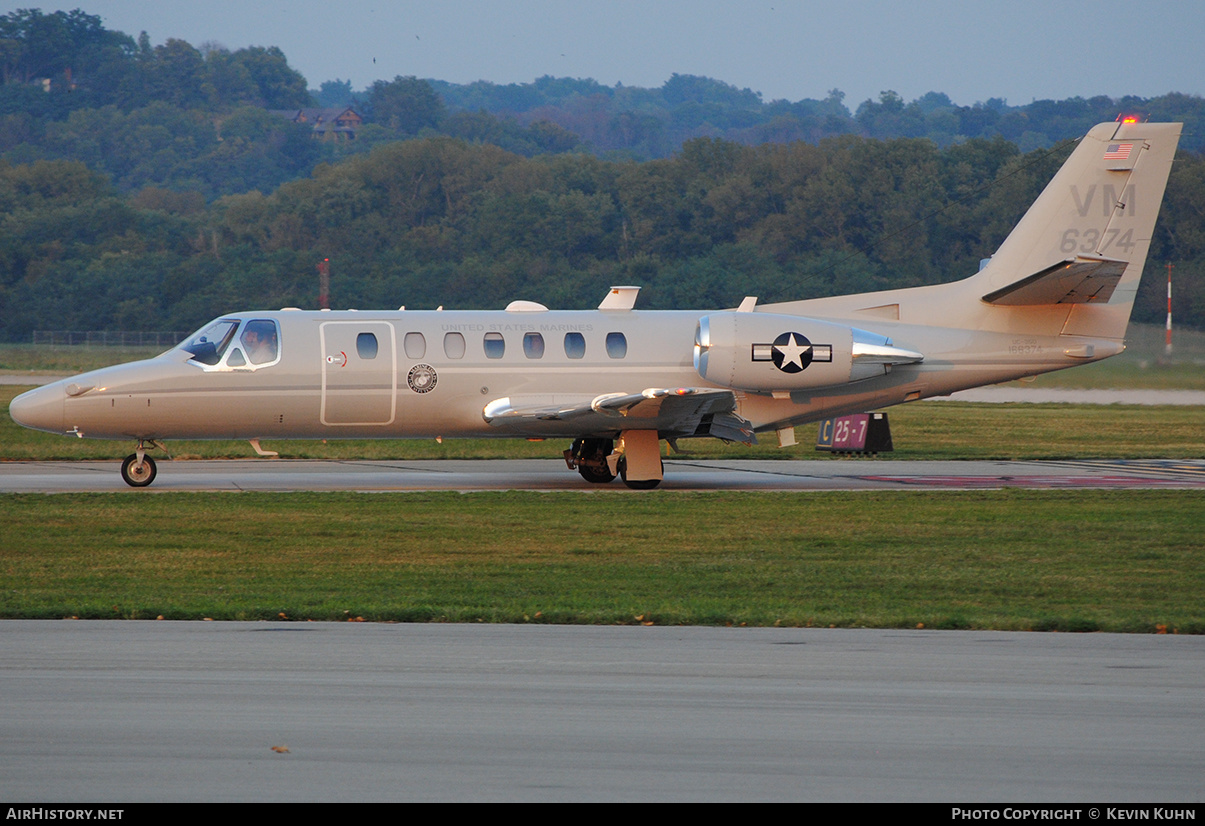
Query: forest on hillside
153	187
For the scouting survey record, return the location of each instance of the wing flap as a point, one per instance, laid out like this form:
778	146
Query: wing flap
673	412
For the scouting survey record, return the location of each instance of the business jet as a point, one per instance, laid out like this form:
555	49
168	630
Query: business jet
618	381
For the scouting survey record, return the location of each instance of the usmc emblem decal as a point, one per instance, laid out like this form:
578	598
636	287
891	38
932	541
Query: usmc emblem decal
792	352
422	378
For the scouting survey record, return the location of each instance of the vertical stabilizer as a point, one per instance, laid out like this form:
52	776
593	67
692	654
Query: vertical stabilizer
1085	240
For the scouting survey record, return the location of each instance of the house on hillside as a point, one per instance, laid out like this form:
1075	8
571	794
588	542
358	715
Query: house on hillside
339	123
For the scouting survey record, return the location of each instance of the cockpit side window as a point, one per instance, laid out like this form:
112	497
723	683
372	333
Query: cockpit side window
209	344
261	342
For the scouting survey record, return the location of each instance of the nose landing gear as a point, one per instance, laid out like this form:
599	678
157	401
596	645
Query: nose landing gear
139	470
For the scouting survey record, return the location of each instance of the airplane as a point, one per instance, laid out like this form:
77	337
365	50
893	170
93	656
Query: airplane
618	381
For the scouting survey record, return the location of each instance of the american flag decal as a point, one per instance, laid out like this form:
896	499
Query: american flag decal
1118	151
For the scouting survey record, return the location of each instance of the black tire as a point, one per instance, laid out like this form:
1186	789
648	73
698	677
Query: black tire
595	475
138	476
595	451
637	484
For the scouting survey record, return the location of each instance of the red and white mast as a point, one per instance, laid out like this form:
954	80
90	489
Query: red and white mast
1168	347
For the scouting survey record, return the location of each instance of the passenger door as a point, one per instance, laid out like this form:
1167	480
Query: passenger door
359	373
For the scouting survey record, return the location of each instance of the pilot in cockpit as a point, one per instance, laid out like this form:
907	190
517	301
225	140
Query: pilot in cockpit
259	340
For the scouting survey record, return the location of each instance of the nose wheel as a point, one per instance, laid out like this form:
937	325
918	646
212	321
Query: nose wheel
138	470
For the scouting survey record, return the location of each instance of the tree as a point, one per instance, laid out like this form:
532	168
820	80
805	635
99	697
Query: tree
177	74
333	93
274	83
405	104
82	63
58	46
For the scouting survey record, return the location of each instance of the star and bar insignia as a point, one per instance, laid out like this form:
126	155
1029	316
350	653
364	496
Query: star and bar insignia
792	352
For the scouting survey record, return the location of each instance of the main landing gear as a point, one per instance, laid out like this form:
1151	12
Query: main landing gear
637	461
636	484
589	458
139	470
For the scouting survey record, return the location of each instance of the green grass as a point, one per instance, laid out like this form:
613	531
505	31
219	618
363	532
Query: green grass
1019	560
1049	560
28	358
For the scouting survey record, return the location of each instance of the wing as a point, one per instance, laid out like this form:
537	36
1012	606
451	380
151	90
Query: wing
673	413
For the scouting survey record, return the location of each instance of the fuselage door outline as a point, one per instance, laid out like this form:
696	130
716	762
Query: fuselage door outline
357	392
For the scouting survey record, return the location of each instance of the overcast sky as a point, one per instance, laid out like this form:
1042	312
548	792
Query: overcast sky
970	49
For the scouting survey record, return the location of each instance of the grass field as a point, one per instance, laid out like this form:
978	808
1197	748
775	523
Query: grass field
1048	560
1074	561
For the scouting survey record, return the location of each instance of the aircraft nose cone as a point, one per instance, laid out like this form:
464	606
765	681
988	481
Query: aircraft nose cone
40	409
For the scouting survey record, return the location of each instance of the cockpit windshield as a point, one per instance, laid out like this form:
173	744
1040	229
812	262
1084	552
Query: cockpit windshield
208	345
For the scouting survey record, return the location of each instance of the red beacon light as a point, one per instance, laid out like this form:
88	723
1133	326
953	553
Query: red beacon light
1129	119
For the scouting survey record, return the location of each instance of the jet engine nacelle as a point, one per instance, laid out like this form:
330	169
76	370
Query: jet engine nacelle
776	353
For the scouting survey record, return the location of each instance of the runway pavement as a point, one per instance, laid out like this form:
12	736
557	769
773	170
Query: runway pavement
552	475
161	711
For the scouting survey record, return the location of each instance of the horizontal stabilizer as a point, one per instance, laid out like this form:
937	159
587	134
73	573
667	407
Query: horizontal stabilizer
1073	281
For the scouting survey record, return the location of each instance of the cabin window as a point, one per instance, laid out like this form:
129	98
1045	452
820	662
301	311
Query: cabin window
366	346
533	345
617	345
575	345
259	340
495	345
454	345
416	345
208	345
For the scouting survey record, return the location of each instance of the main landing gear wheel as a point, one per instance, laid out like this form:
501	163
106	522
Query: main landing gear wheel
636	484
138	474
595	475
591	460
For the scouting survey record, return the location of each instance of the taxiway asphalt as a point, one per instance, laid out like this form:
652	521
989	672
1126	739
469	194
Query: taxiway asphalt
285	475
128	711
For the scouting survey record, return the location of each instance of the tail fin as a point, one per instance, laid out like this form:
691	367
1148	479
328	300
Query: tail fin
1085	240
